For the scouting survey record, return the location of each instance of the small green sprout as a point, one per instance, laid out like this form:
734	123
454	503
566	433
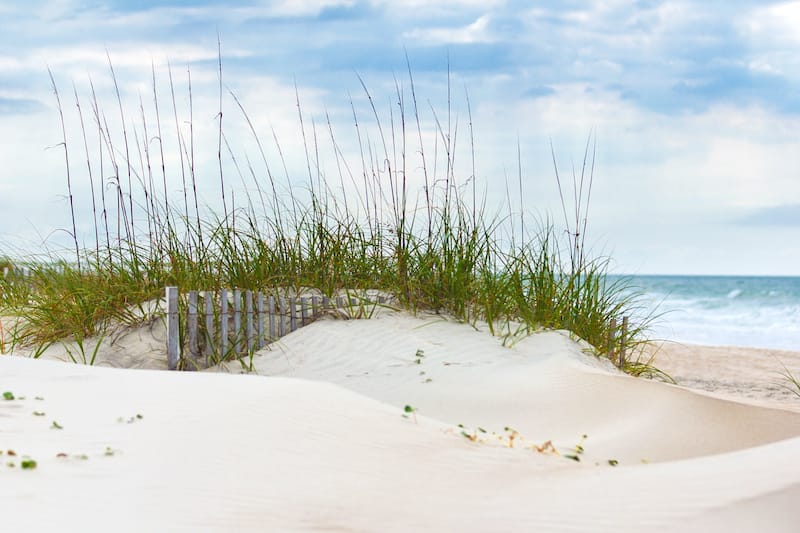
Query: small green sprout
28	464
56	425
613	462
109	451
8	395
38	413
408	410
38	398
579	447
472	437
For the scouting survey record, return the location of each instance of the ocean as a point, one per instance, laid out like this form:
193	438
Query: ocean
761	312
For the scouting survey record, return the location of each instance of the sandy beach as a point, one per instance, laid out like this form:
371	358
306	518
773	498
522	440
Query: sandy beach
400	423
750	374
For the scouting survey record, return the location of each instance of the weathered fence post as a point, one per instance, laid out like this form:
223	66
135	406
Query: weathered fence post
281	321
612	337
303	311
191	324
260	323
223	323
292	314
248	321
209	303
622	338
237	322
271	310
173	349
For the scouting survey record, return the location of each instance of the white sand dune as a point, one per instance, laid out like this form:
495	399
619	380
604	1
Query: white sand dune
318	442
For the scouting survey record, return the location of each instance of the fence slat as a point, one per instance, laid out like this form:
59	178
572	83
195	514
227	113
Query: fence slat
271	310
260	323
208	300
281	321
173	350
303	311
223	323
248	321
237	321
612	335
292	314
622	338
191	324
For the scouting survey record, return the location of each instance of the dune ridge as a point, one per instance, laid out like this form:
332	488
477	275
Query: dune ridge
318	441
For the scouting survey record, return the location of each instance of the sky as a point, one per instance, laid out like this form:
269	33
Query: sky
692	109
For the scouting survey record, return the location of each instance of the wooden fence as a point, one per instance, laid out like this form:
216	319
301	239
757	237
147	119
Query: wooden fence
205	327
16	272
617	337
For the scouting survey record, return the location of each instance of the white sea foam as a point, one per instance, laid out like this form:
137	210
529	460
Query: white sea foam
733	311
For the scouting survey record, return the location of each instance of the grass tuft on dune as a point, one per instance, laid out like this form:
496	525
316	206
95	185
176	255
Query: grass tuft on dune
439	248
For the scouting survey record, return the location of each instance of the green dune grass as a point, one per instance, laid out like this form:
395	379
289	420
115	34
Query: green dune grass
439	248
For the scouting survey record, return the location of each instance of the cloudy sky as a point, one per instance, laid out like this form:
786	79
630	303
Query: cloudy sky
694	107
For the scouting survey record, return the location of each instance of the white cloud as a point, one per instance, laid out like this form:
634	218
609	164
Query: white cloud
777	22
476	32
126	55
429	8
302	8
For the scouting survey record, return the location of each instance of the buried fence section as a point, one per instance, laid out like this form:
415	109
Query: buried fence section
235	323
617	337
18	273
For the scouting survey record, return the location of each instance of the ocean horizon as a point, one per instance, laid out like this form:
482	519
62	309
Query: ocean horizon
749	311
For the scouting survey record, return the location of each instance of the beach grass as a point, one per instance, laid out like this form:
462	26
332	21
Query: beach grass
792	383
438	248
